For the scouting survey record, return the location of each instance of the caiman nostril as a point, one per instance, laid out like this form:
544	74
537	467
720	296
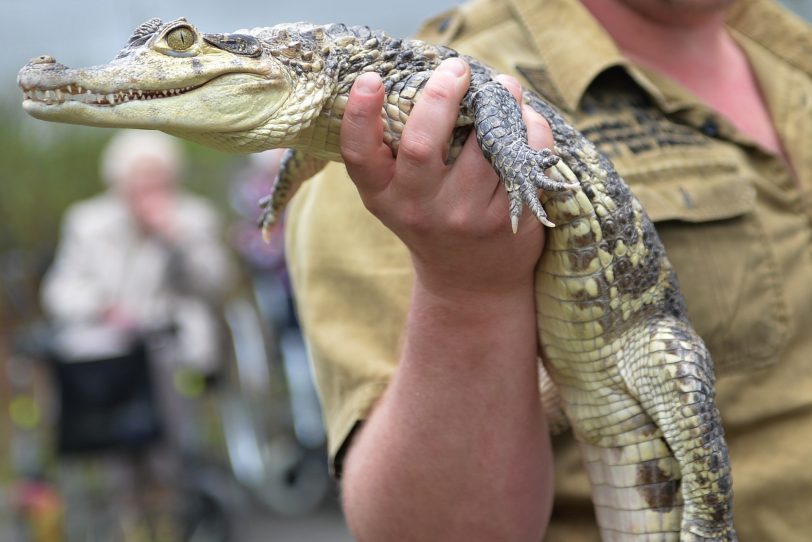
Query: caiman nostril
43	59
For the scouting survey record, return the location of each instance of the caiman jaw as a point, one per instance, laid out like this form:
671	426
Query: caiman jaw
123	93
57	89
77	93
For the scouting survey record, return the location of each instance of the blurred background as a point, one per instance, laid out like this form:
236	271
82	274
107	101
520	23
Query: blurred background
250	464
247	460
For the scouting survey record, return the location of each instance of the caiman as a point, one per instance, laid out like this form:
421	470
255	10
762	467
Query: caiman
634	380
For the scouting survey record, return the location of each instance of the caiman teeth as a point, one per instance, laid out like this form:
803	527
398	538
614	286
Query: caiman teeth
77	93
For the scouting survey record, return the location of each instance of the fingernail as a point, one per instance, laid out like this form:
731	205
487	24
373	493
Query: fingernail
452	66
368	83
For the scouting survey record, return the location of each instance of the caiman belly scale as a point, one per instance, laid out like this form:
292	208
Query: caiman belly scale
635	381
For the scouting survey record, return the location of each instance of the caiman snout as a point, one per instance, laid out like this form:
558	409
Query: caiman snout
42	72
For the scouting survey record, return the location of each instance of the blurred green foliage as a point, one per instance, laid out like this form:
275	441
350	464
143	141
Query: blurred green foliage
43	171
46	167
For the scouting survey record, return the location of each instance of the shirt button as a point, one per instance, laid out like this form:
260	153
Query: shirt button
710	127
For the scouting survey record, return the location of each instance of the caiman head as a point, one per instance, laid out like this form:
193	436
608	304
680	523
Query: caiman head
236	92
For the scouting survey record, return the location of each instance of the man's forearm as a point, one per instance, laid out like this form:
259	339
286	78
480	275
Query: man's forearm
457	448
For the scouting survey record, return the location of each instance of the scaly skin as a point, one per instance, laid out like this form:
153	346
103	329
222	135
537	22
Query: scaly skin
635	381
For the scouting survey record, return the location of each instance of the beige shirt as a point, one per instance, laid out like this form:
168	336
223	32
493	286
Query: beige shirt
736	223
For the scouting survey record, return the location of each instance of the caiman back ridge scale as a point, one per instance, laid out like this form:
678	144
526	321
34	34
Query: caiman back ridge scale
634	380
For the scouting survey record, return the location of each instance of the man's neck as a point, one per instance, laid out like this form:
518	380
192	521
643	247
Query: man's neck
693	48
688	45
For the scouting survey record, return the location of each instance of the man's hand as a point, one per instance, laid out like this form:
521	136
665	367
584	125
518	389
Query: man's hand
459	432
454	219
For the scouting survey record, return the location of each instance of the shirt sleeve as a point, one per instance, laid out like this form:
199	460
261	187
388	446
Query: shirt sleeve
352	280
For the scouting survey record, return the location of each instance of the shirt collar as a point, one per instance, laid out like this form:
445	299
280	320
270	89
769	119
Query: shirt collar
573	47
775	28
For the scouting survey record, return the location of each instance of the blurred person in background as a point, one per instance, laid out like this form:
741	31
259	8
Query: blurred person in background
140	267
143	256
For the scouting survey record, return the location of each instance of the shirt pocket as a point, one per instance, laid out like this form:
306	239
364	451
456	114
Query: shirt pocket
707	218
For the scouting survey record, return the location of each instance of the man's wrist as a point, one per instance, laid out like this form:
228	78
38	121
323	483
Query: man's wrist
472	302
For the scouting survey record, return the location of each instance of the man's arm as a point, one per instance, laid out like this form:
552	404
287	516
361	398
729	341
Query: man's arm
457	448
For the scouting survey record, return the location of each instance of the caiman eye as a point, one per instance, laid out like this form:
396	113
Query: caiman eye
180	38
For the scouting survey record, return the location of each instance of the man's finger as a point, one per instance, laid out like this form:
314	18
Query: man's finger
432	120
539	135
512	85
368	159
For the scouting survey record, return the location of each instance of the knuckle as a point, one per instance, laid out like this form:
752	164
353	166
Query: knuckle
361	112
359	119
417	148
459	222
351	154
438	89
413	217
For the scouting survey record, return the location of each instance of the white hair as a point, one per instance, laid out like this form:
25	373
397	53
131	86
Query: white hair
128	147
